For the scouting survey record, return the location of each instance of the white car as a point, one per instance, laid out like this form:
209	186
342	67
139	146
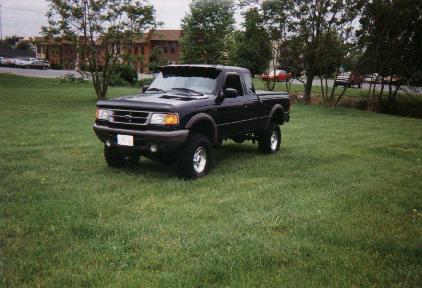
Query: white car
372	78
24	63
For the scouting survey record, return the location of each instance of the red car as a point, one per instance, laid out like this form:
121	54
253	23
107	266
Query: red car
278	76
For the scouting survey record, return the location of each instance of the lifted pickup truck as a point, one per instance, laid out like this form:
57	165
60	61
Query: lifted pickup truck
185	112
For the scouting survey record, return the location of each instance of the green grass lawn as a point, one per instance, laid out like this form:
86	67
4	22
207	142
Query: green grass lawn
339	206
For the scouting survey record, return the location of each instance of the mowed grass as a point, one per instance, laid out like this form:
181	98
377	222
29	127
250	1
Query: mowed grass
339	206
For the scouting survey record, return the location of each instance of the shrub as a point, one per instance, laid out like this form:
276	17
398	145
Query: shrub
57	66
123	75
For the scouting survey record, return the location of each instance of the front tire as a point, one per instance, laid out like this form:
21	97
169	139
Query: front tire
270	140
116	157
195	157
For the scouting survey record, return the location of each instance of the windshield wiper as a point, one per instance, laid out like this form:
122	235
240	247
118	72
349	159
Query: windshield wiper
187	90
156	90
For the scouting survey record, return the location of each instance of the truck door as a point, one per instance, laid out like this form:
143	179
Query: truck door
251	104
230	114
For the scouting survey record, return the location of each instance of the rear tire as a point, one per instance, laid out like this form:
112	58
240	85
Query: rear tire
195	157
116	157
270	140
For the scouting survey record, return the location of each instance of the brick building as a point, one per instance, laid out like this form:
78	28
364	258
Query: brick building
63	53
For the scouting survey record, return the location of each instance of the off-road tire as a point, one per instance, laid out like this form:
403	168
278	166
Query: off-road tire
116	157
265	144
186	159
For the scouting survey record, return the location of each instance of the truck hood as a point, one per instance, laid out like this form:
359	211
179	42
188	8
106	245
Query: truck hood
156	101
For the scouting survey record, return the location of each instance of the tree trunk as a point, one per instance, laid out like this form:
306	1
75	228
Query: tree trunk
308	89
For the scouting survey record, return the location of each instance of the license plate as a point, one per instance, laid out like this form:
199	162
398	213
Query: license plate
124	140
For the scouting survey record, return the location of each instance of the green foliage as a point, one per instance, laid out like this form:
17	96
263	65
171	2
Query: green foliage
108	28
207	32
124	74
56	66
391	38
339	206
71	78
253	49
318	24
156	59
9	42
142	82
23	45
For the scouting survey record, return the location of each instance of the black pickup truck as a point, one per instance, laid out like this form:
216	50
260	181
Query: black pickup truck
185	112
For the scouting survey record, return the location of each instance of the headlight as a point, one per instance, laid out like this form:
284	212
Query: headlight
102	114
164	119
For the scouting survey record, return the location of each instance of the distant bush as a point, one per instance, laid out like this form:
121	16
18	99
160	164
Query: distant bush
124	75
56	66
143	82
71	78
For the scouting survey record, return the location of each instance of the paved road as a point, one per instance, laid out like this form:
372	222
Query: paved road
48	73
60	73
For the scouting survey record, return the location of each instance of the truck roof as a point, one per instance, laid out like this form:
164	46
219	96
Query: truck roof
219	67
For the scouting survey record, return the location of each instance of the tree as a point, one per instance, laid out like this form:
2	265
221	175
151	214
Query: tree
253	49
207	32
391	38
314	21
156	59
10	41
107	28
24	45
277	17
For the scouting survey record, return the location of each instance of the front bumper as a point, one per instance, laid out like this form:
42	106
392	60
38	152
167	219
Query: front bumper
165	140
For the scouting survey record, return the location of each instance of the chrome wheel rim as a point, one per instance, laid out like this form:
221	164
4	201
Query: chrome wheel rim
274	140
200	160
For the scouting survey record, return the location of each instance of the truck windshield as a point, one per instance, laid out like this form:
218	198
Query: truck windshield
185	78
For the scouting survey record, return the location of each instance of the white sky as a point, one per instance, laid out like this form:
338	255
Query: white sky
25	17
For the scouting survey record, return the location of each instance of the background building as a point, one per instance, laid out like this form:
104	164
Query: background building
62	53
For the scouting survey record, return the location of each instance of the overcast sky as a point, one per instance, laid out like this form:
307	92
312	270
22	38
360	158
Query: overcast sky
25	17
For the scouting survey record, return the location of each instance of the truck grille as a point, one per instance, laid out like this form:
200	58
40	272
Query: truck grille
129	117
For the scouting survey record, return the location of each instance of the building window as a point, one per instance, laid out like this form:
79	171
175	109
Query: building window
142	48
136	49
173	47
165	47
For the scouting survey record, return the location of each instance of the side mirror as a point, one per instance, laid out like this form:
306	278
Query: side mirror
145	88
231	93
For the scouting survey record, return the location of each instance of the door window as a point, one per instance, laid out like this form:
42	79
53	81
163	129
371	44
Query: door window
248	83
233	81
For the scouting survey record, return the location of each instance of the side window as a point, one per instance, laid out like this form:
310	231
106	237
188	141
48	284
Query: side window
248	83
233	81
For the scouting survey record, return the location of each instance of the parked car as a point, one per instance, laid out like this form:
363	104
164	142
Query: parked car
39	64
9	62
185	112
2	61
23	62
372	78
278	76
349	79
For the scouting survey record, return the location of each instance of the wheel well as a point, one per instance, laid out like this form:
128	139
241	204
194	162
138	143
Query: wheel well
206	128
278	116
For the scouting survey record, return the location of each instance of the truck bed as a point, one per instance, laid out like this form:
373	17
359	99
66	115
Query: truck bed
271	94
